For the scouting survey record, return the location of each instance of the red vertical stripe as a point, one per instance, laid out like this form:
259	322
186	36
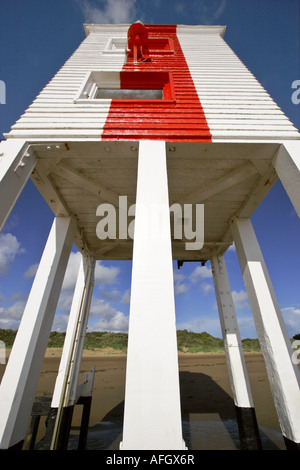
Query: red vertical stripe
180	120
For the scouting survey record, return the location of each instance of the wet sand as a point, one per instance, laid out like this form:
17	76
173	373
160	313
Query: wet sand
208	414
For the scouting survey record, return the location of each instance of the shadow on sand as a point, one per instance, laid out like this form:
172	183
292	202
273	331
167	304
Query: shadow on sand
208	420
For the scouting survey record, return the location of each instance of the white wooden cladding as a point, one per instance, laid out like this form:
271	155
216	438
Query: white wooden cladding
54	113
235	104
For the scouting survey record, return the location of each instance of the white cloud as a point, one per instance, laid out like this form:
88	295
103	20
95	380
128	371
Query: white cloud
181	288
60	323
65	301
292	311
103	274
206	287
110	294
109	319
126	297
200	272
10	316
109	11
9	249
240	299
31	271
106	275
178	277
200	275
291	317
9	323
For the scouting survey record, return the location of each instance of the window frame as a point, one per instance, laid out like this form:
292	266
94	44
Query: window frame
116	41
129	80
160	41
133	91
152	42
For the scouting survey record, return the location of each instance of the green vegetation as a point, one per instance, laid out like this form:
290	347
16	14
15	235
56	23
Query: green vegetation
94	340
198	342
8	337
250	345
187	341
56	340
102	339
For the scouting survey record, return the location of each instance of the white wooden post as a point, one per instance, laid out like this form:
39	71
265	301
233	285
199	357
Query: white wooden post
76	331
283	374
18	386
152	415
287	165
65	391
17	160
246	417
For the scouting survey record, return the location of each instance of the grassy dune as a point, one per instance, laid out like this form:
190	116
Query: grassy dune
188	342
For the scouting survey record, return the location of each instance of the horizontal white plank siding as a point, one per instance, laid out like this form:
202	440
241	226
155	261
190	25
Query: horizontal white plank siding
234	102
236	106
54	114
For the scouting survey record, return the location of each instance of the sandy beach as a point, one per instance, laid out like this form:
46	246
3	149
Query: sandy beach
208	413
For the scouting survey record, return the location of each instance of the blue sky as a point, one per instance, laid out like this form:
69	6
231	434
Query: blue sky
36	38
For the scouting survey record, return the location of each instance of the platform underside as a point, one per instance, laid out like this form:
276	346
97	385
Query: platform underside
230	179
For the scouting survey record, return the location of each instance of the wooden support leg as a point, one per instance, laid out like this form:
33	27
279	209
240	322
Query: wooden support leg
283	374
45	443
287	165
19	383
67	379
86	402
62	432
152	415
17	162
31	437
246	417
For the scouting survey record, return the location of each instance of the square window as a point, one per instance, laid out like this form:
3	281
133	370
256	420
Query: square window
101	86
116	46
160	46
127	93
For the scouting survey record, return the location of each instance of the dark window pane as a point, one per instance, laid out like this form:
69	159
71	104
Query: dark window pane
125	94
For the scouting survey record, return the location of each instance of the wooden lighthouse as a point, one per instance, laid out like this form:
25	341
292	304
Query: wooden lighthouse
166	116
